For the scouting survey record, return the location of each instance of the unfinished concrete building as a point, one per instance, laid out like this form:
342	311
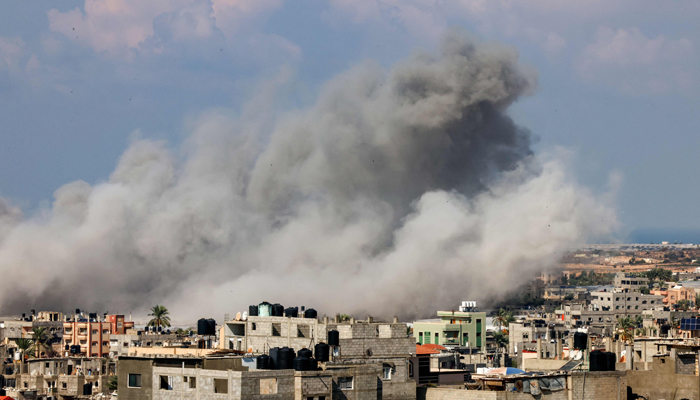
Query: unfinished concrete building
384	344
59	378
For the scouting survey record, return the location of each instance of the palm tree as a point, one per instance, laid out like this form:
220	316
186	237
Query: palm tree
625	326
504	318
659	274
41	345
638	321
501	339
160	316
25	346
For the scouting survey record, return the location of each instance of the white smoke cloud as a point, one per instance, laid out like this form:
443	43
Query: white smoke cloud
398	192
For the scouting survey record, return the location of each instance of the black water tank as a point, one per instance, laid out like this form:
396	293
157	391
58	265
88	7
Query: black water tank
202	326
212	327
77	311
262	362
611	360
598	361
253	311
322	352
3	392
87	389
310	313
305	353
314	364
92	316
301	364
580	341
285	358
291	312
334	338
664	329
277	310
274	356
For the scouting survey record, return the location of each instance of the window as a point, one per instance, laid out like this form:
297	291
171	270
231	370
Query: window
268	386
253	326
303	331
345	383
478	321
64	385
220	385
193	382
94	331
276	329
617	307
166	382
437	338
47	365
410	369
134	381
387	371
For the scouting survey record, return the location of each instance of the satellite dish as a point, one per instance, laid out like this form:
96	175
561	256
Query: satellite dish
238	316
244	317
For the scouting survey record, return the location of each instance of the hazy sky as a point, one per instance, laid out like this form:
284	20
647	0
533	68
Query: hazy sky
79	80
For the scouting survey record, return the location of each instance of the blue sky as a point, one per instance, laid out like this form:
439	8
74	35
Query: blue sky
618	81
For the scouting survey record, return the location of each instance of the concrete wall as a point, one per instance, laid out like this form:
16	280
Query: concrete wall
662	382
534	364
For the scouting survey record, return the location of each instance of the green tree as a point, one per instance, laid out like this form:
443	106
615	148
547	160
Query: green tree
160	316
504	318
25	346
658	274
113	383
625	327
638	321
41	344
684	305
501	339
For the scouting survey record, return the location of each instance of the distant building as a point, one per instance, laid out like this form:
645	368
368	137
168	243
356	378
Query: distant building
90	335
627	281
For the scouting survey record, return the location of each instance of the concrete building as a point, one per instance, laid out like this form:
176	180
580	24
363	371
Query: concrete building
237	378
385	344
126	344
624	302
576	316
92	337
60	378
627	281
464	328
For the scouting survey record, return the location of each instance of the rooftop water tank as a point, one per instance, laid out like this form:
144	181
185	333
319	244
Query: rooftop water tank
262	362
334	338
301	364
277	310
305	353
285	358
252	311
264	309
310	313
322	352
291	312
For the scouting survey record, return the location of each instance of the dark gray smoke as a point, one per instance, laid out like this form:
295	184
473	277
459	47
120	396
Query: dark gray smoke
398	192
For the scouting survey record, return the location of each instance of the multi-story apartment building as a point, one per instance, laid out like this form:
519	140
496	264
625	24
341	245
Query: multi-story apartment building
464	328
385	346
92	335
624	302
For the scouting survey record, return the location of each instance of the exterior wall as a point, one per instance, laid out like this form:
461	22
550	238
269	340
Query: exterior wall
258	384
662	382
259	334
609	385
595	386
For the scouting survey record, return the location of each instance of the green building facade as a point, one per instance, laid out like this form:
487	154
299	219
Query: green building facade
455	328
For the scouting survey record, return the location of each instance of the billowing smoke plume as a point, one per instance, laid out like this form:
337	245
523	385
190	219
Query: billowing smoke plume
398	192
